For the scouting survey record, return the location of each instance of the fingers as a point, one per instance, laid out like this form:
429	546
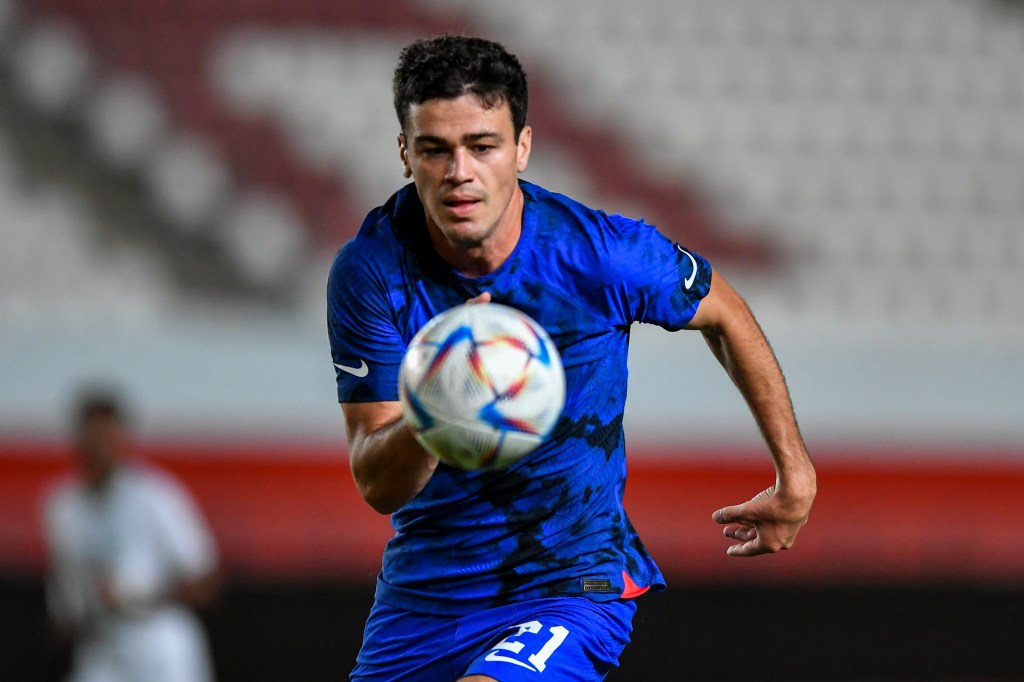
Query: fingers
766	537
741	533
750	543
752	548
759	525
482	298
742	528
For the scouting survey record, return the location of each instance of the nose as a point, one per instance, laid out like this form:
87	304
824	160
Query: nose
458	170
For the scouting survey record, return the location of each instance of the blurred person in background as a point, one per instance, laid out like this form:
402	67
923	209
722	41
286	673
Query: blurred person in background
130	558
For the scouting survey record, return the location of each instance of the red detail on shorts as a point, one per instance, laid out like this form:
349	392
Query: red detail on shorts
631	589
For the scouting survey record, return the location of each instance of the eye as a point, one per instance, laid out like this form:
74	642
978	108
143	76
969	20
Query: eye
482	148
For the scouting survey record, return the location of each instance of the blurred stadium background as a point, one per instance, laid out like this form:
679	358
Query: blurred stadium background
175	178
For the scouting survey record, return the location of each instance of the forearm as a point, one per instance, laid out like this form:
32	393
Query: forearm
770	521
741	347
198	592
130	595
388	465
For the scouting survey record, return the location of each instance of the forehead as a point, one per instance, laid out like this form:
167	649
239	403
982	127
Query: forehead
453	119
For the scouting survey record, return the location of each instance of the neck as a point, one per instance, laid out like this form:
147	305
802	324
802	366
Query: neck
98	480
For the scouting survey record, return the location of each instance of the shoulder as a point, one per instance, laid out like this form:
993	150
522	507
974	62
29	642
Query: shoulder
384	241
61	497
150	484
391	227
587	239
561	211
552	204
378	233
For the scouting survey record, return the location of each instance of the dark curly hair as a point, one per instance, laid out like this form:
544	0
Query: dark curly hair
447	67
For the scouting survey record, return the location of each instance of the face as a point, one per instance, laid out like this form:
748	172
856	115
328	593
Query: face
465	161
101	446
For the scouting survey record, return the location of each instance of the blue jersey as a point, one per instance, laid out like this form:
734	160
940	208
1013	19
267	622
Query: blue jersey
553	523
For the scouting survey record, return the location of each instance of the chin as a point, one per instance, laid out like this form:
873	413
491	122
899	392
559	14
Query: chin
464	234
468	242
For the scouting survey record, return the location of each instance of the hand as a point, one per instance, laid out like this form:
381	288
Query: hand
107	596
768	523
482	298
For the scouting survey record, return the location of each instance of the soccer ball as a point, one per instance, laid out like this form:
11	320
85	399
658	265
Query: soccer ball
481	385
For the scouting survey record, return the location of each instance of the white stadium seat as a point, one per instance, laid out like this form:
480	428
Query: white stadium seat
881	116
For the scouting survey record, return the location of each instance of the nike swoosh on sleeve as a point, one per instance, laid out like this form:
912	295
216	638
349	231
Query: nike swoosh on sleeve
361	371
688	282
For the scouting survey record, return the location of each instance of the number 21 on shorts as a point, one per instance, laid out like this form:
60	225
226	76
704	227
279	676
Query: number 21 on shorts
507	647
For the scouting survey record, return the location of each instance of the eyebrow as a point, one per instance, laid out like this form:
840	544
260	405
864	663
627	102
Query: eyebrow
472	137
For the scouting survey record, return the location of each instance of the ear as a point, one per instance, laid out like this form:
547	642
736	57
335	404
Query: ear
403	152
523	148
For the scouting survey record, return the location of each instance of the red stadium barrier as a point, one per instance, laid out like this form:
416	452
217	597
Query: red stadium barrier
293	512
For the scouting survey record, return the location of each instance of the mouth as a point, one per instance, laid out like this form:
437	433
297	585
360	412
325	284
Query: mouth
460	206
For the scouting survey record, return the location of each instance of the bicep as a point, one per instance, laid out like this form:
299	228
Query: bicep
719	308
188	540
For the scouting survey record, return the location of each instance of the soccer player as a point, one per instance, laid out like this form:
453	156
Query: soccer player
130	556
528	573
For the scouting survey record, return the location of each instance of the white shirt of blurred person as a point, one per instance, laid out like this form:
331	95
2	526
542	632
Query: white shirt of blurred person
130	557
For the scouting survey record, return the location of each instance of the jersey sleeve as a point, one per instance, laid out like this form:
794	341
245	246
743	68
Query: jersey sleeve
188	542
366	346
663	282
68	590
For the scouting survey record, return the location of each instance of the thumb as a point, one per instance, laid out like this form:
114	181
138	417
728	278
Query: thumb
735	514
485	297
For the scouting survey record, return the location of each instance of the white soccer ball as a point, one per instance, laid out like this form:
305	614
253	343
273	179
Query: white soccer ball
481	385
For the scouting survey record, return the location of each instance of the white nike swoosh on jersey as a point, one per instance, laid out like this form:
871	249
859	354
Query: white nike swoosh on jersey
688	282
361	371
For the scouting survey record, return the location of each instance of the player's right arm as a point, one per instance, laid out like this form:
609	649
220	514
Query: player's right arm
388	465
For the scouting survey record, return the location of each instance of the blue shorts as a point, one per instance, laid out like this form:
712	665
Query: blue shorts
559	639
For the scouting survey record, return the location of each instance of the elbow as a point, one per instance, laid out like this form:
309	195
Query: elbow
201	592
715	341
388	478
381	504
377	497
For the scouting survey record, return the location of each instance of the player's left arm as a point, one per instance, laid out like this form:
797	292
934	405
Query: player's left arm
770	521
187	552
